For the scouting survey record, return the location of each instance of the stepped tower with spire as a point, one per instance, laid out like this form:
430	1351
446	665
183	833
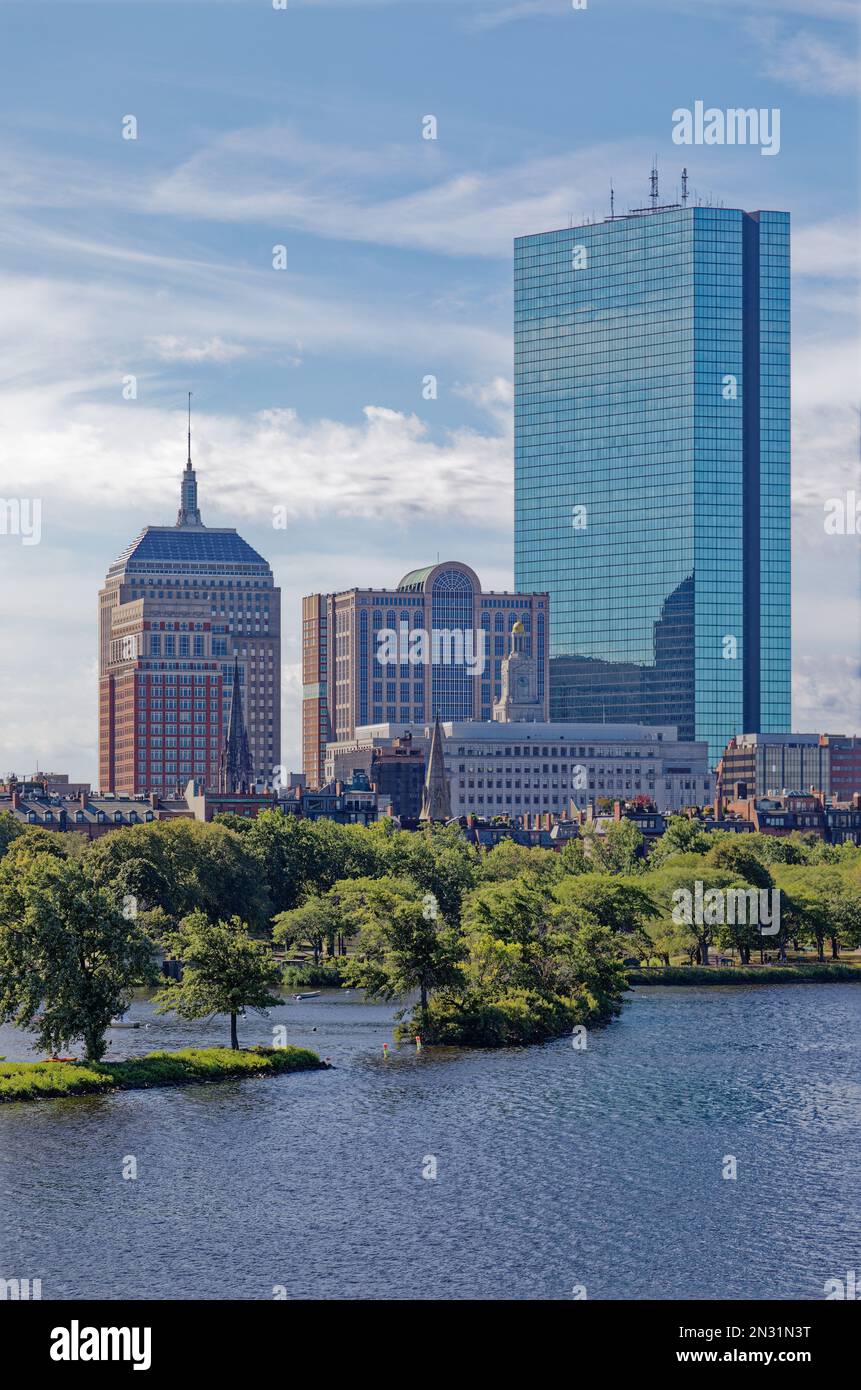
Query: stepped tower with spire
189	631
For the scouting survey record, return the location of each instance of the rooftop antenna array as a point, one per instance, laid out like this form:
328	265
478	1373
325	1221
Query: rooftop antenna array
612	203
684	188
653	184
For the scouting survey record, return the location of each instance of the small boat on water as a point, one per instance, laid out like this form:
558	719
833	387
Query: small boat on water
120	1023
315	994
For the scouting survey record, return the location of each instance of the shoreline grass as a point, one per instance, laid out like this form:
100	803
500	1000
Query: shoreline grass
192	1065
744	974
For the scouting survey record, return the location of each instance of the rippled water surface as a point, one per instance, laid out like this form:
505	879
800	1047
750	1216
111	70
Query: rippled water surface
555	1167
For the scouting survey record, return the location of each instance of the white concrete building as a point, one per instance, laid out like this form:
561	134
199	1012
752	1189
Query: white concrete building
525	767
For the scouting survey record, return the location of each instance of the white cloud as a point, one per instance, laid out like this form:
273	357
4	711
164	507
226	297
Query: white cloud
172	349
387	463
827	693
404	195
808	60
76	333
267	175
828	250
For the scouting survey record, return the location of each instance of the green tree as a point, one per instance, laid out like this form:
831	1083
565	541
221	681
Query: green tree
439	860
404	944
321	921
619	850
299	857
673	888
190	865
682	836
10	829
533	968
33	840
744	862
508	859
69	958
845	919
224	972
614	902
732	852
517	914
821	903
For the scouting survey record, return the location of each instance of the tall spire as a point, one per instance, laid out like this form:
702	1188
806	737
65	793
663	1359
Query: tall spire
189	512
436	798
236	773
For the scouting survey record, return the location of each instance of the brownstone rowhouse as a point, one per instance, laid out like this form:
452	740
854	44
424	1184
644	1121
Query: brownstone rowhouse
177	607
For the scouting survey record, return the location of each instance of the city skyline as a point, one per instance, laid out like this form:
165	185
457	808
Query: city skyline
430	574
151	258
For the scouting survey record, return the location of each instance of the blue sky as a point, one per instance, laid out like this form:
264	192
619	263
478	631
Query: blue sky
259	127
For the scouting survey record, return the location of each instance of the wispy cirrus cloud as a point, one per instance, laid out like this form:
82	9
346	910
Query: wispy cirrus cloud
810	61
170	348
269	175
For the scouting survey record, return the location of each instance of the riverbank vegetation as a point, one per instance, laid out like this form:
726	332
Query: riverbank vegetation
42	1080
798	973
500	946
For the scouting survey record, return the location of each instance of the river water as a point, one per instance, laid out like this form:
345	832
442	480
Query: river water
555	1167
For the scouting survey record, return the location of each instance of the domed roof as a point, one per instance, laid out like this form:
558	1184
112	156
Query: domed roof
518	627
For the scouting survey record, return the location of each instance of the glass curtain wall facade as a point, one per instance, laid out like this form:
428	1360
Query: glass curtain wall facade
452	607
652	466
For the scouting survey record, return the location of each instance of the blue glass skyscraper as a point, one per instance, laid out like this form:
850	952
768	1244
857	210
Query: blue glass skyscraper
652	463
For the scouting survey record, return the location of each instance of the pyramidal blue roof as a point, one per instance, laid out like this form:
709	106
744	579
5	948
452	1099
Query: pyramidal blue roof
189	541
199	544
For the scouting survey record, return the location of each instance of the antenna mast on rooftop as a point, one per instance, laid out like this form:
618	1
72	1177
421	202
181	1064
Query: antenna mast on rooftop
653	185
684	188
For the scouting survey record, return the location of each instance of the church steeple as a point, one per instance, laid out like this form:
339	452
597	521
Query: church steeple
189	512
236	773
436	798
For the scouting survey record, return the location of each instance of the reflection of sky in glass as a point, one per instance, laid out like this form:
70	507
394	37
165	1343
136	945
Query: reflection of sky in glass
624	407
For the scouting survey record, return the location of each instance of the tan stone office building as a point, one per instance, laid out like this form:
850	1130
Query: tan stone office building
434	644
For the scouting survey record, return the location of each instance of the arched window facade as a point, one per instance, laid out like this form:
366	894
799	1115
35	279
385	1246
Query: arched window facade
452	606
